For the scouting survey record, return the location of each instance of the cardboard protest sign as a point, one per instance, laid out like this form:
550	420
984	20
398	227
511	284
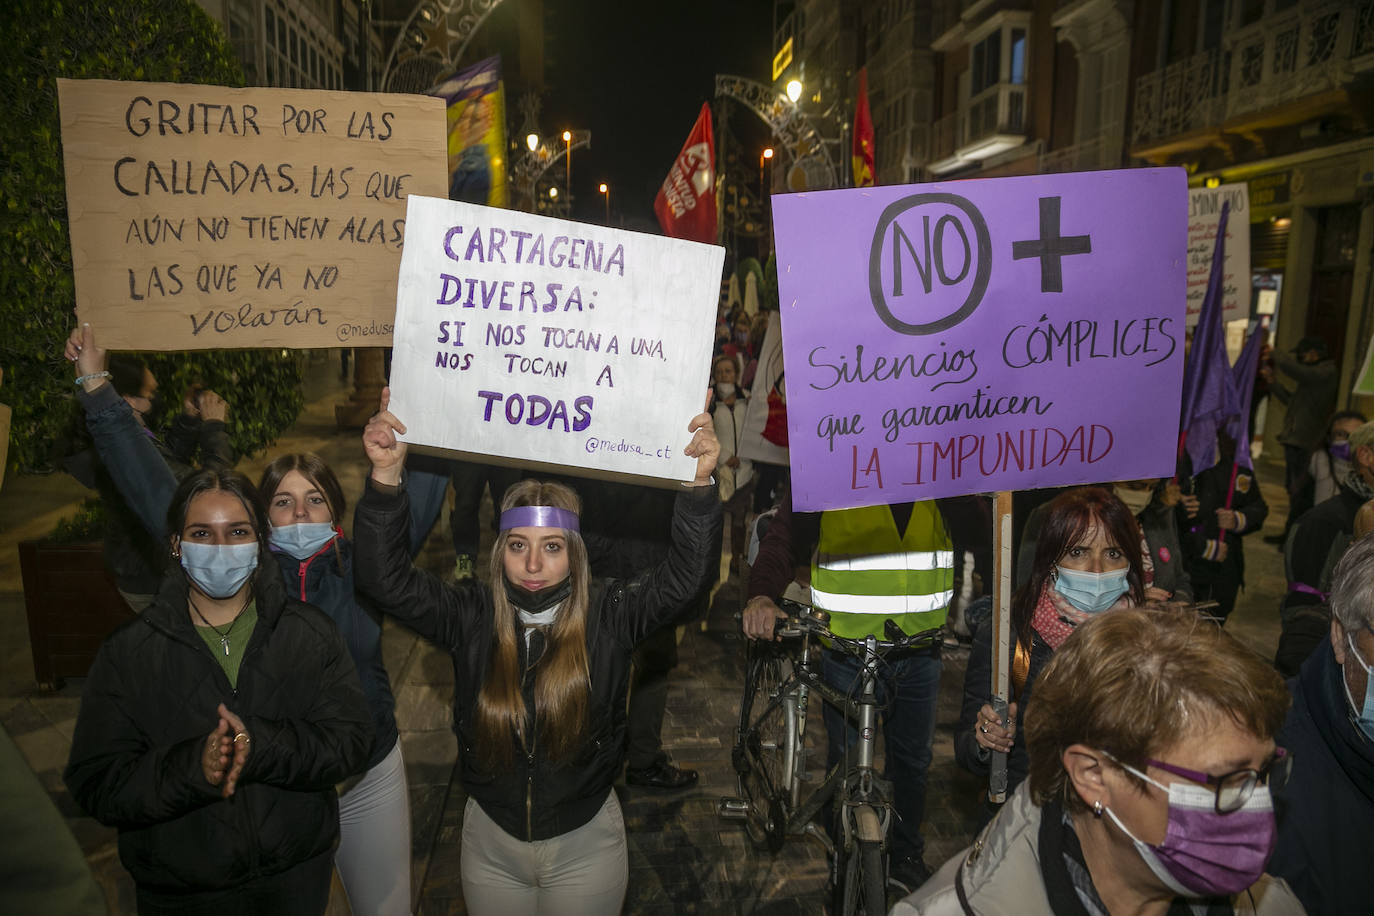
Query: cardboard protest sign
206	217
552	343
1006	333
1204	214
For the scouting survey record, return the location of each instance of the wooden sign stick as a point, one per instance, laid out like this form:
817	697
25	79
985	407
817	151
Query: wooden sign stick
1001	634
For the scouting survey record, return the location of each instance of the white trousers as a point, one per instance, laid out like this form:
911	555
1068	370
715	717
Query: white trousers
583	872
373	857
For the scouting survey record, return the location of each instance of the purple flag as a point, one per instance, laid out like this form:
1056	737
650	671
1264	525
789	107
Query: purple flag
1243	382
1208	391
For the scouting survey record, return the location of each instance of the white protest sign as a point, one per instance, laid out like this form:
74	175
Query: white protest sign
1204	215
550	342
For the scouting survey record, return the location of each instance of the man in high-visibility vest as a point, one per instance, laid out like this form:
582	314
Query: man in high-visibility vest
867	566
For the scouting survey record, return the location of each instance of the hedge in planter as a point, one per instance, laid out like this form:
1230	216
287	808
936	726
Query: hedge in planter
154	40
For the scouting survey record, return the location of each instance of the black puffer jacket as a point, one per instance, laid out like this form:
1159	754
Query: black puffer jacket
535	798
968	753
150	703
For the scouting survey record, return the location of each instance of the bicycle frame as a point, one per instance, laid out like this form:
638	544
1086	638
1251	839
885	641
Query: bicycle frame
853	781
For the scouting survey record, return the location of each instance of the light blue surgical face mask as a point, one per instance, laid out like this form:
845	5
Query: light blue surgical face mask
1091	593
219	570
1365	713
301	541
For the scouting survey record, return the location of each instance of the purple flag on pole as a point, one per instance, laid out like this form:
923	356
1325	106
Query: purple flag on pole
1208	390
1243	383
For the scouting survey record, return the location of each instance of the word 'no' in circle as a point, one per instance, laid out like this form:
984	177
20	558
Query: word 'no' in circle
931	255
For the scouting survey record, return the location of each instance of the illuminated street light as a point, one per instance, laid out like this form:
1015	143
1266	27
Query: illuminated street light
605	189
567	138
794	90
532	141
553	193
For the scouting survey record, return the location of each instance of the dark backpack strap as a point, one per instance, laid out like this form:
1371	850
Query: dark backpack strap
959	890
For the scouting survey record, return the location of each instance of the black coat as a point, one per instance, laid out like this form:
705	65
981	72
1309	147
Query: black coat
148	707
326	581
1326	812
1316	545
968	753
1211	487
535	798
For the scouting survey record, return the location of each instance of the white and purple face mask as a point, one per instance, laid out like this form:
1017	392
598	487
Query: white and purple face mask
1206	853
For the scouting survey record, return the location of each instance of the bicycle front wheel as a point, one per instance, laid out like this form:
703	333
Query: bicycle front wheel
765	752
862	890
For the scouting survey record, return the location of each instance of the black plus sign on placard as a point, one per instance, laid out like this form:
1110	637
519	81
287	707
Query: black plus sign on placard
1051	247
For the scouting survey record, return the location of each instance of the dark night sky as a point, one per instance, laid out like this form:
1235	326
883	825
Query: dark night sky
635	75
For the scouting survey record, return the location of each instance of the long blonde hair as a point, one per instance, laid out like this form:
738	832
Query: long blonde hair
562	685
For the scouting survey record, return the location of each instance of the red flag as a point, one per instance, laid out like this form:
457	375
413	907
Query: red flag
686	204
863	136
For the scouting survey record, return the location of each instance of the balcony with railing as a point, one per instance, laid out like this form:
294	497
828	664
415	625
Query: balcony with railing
1264	75
992	122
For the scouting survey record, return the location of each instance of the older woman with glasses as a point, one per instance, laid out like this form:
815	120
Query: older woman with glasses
1151	746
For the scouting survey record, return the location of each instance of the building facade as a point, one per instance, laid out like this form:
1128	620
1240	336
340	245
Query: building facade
1272	93
301	44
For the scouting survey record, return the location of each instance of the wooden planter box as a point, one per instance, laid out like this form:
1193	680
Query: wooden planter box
72	605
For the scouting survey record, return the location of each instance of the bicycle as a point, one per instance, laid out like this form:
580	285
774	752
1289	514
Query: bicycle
769	755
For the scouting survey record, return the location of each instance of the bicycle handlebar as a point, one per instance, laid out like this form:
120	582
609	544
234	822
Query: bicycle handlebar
803	619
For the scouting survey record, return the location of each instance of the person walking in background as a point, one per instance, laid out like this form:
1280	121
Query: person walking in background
1310	401
1224	505
735	474
1328	466
1318	542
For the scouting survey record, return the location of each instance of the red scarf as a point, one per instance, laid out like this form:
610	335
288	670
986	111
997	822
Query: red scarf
1054	618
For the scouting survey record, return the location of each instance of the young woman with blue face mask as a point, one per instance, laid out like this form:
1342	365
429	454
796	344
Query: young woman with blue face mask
304	502
1087	560
213	727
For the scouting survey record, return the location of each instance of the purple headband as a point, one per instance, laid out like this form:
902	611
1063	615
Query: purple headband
538	517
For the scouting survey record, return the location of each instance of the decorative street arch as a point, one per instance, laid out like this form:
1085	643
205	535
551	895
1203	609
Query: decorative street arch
531	166
431	42
797	136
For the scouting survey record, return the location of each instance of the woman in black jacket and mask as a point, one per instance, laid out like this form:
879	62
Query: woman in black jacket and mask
214	727
541	665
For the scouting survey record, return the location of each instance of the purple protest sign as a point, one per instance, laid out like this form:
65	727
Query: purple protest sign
995	334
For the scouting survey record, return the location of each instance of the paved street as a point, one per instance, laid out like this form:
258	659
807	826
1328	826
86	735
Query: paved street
683	858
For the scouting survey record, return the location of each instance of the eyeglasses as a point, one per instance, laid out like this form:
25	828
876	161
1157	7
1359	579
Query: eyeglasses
1235	788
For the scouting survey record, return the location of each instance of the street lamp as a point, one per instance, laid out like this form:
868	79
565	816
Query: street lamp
567	138
794	90
765	156
605	189
532	141
553	193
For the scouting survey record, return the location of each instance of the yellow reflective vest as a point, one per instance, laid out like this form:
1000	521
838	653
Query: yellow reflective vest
864	572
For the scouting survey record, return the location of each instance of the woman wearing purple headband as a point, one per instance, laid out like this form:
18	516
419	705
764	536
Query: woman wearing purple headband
541	668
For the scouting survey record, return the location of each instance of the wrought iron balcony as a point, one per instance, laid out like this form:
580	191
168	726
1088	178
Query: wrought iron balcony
1298	53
